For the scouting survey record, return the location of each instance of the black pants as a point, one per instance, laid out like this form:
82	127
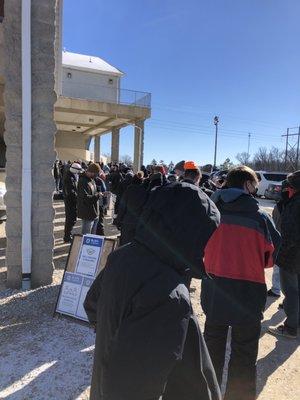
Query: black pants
241	382
100	225
71	216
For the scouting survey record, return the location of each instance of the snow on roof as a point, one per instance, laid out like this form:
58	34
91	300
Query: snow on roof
84	62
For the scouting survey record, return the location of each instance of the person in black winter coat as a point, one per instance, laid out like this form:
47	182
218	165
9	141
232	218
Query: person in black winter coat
130	209
123	185
114	178
148	343
288	260
56	175
70	180
101	187
275	290
88	199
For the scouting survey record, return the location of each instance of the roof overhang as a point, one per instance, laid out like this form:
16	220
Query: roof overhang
94	71
95	117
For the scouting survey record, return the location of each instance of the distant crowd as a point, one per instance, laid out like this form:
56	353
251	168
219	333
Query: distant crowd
178	225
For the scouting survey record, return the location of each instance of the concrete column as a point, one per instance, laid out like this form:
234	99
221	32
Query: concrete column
115	145
97	148
138	157
58	45
43	132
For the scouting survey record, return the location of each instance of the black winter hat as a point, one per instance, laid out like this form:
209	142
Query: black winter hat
180	166
294	180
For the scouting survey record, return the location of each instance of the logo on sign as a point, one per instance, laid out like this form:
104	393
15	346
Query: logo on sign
91	252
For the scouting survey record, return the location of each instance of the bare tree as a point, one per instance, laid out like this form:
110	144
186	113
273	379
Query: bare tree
126	159
227	164
243	158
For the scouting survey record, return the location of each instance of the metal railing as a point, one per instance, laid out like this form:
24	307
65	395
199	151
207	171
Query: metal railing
108	94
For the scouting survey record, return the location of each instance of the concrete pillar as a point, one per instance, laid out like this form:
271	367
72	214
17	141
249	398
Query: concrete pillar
43	132
97	148
115	145
58	45
138	157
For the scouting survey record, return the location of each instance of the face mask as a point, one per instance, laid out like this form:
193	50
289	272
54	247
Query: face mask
291	192
253	189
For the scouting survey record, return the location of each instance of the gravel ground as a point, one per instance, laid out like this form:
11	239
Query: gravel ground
45	357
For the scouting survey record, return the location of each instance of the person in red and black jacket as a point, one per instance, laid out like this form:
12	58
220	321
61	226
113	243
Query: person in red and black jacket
234	293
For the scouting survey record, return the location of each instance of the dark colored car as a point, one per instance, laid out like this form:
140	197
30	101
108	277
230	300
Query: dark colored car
273	192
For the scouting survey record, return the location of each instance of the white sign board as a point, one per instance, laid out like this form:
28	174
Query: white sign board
89	255
76	284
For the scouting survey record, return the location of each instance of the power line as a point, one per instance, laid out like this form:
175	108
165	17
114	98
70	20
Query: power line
206	130
227	115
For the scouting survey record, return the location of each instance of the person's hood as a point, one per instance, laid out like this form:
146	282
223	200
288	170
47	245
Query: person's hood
175	225
227	195
235	199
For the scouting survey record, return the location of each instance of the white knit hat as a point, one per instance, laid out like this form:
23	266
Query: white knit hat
75	168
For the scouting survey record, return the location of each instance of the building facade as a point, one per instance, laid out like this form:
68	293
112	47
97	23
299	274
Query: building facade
48	109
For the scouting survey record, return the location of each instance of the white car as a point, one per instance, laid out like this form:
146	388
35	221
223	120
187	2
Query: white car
266	178
2	204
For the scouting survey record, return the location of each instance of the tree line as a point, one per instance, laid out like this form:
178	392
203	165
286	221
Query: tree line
274	159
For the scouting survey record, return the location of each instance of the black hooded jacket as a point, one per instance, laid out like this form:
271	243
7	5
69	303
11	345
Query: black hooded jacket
289	254
148	343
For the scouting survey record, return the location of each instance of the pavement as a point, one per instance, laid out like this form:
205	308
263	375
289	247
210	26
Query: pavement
46	357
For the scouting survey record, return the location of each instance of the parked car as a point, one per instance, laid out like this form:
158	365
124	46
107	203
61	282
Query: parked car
218	177
2	204
269	178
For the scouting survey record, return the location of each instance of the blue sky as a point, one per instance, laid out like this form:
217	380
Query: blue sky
238	59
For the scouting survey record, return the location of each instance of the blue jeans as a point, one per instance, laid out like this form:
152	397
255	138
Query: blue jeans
290	285
89	226
276	288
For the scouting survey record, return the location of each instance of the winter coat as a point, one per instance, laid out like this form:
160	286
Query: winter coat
114	179
276	215
147	340
289	254
101	187
245	243
130	209
70	187
56	170
87	198
123	185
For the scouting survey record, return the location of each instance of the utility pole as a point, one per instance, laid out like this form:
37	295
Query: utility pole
216	122
286	147
297	155
292	146
248	151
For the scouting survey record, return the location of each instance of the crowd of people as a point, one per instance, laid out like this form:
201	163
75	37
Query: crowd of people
175	227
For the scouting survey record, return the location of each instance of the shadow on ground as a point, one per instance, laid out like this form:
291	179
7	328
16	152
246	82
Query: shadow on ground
49	357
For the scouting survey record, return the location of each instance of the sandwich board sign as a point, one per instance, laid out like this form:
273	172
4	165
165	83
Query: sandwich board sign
87	257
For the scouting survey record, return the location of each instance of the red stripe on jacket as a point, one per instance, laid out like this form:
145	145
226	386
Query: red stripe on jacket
238	252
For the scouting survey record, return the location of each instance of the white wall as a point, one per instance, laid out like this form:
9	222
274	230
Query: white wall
90	85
